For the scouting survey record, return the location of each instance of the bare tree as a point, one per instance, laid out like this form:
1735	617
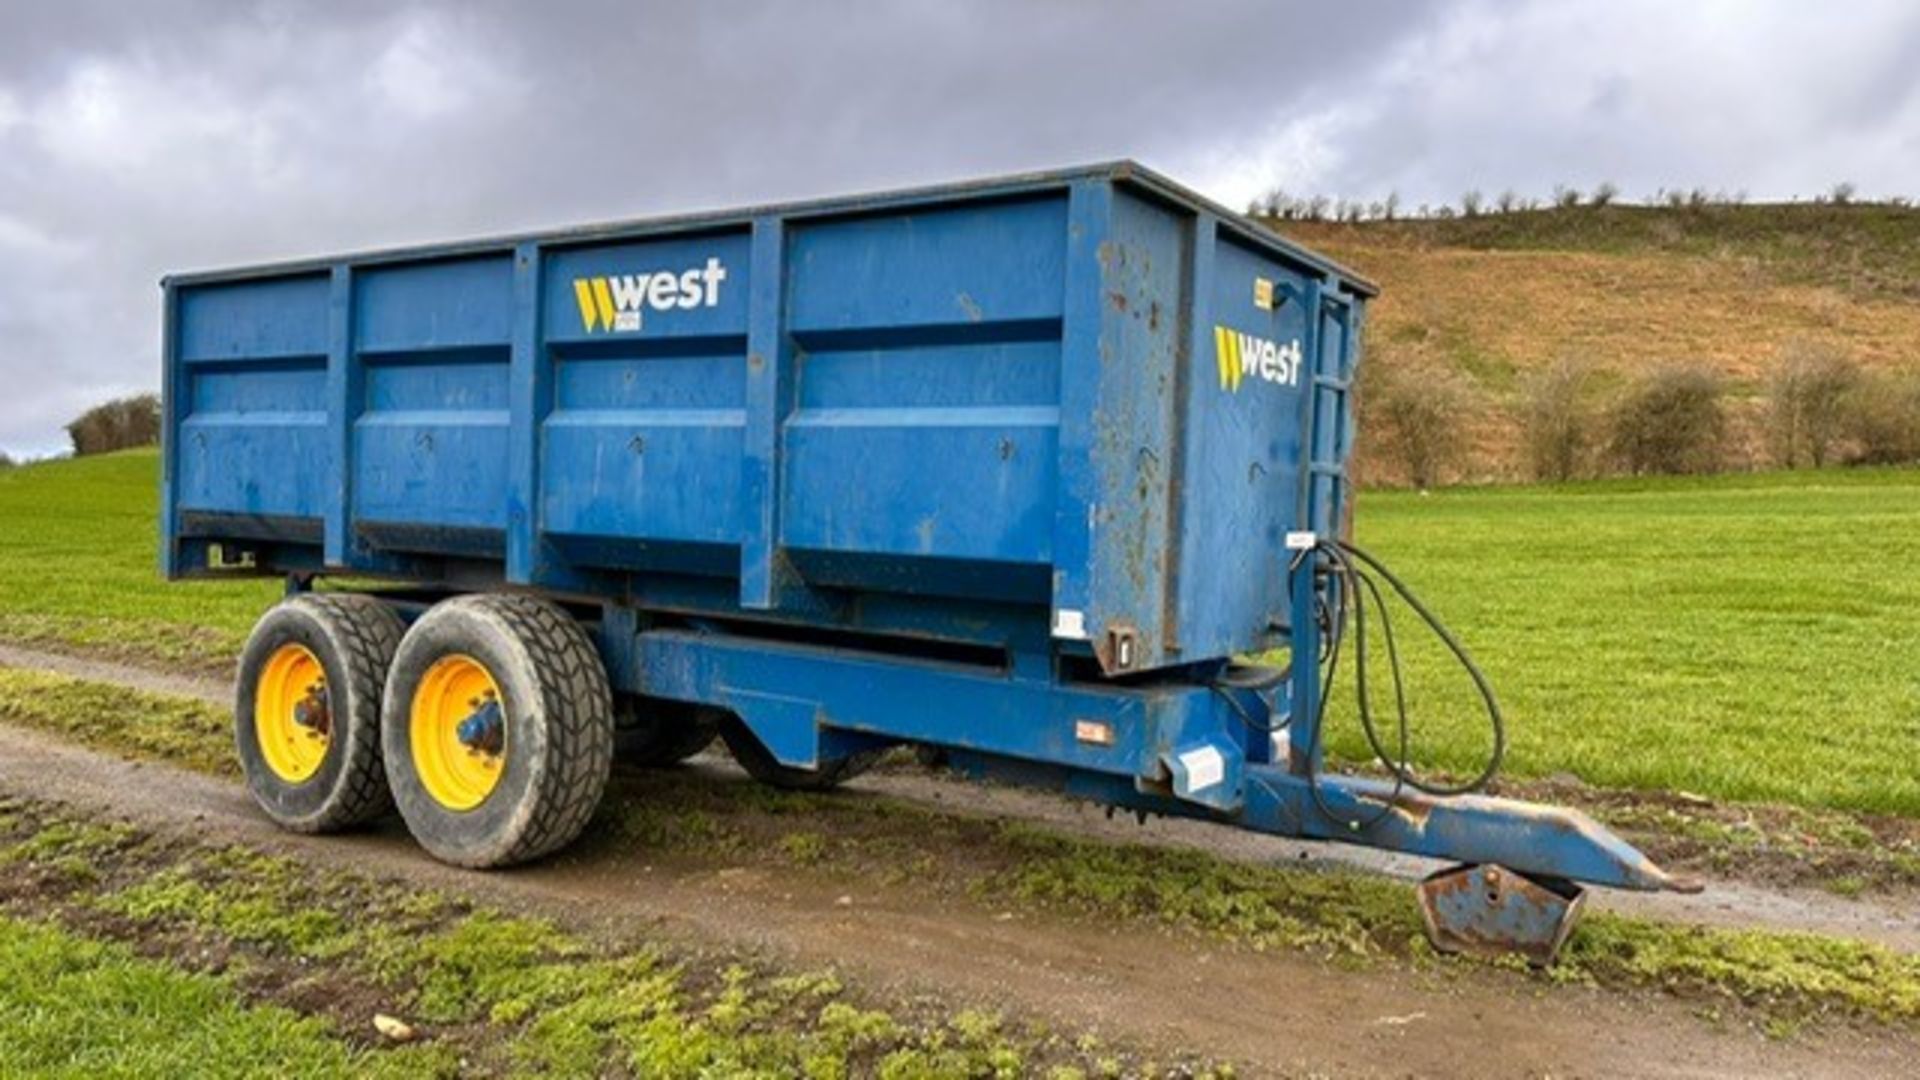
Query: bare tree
1470	203
1421	415
1808	402
1605	193
1884	418
1558	419
116	425
1671	421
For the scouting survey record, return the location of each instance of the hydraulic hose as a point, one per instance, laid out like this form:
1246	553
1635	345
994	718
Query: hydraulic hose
1356	571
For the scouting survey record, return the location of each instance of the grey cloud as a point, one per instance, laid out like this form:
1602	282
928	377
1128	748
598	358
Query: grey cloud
137	139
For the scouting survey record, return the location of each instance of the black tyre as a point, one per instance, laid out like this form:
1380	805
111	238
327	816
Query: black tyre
760	764
499	730
307	710
655	734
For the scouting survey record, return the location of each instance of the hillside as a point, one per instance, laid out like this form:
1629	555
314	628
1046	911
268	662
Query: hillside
1628	288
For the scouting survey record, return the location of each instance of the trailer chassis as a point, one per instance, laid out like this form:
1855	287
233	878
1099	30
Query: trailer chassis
1189	744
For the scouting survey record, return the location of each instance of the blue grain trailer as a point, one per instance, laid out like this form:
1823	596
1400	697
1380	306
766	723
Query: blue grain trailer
1013	469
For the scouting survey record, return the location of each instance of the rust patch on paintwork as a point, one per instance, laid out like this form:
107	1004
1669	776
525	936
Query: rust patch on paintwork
1409	806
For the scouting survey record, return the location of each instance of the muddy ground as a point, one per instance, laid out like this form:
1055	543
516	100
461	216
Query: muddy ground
1278	1012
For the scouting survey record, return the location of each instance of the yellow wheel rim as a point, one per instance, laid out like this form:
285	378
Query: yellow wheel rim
292	717
459	772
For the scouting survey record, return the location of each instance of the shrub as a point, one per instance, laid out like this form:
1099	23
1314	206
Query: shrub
1557	419
1420	416
1671	421
117	425
1808	403
1884	418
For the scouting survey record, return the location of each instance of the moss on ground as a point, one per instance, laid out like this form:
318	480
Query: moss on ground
494	993
1787	976
1348	917
160	727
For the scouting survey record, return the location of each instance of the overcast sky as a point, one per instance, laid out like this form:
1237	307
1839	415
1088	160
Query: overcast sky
138	138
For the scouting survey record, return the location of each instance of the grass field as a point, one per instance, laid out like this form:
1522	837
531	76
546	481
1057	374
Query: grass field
1743	637
74	1006
1746	637
79	565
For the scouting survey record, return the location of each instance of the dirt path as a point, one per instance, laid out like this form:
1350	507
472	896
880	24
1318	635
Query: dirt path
1893	921
1279	1013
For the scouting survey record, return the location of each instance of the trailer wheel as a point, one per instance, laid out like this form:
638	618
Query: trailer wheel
760	764
499	730
307	710
655	734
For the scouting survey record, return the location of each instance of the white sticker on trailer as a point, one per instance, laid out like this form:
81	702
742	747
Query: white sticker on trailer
1068	623
1205	767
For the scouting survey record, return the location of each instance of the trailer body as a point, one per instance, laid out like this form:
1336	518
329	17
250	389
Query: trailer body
1071	406
1009	468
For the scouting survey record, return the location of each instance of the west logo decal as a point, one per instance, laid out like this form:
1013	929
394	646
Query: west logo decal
1244	356
617	302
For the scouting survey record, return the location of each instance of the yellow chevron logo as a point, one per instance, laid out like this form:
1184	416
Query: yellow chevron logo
596	302
1242	356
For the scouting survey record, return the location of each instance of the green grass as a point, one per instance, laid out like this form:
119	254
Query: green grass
1748	638
73	1006
79	567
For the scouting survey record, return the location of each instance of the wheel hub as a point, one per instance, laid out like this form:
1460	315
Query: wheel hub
311	712
458	730
484	729
292	716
